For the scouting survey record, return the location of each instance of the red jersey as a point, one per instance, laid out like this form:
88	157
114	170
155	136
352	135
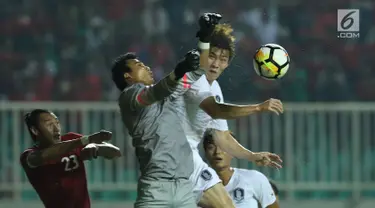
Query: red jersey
61	183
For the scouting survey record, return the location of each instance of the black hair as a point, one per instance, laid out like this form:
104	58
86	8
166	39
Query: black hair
32	120
274	187
223	38
208	139
120	67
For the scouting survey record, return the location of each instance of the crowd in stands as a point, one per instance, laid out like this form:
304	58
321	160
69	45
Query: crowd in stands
62	50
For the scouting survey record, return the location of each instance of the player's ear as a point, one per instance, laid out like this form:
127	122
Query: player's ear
34	131
127	76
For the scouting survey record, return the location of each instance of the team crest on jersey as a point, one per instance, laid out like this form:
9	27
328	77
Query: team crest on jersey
206	175
239	194
218	99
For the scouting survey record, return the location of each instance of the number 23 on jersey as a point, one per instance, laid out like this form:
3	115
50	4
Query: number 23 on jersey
70	162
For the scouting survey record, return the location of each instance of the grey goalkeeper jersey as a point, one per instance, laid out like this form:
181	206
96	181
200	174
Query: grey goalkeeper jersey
149	113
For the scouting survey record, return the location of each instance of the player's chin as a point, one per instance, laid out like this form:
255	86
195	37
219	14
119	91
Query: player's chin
218	164
150	81
212	76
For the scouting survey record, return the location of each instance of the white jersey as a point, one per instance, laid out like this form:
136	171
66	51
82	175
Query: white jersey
195	120
248	187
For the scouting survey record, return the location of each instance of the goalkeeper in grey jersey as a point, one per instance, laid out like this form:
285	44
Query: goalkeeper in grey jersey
149	114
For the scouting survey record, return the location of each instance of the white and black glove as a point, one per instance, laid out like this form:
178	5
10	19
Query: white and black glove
207	23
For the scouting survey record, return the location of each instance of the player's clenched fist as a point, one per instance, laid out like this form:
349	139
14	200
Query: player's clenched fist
207	24
273	105
192	60
189	63
100	137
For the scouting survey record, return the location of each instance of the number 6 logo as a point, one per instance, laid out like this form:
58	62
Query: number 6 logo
345	19
348	20
71	162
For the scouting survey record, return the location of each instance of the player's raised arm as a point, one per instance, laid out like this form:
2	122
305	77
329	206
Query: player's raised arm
207	23
142	93
223	138
168	85
231	111
44	156
226	141
228	144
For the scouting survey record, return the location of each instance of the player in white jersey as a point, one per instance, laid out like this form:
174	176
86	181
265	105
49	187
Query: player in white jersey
247	188
275	190
204	102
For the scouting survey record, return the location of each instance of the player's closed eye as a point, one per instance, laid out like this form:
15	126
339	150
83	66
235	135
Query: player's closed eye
140	64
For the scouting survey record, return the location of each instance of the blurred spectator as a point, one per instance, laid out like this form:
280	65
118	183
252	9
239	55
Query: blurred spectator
154	18
62	50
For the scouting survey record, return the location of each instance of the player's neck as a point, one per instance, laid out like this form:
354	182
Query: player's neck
43	144
225	175
210	81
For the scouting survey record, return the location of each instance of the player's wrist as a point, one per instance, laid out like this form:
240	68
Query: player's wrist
85	140
257	107
172	76
178	72
251	156
203	45
204	36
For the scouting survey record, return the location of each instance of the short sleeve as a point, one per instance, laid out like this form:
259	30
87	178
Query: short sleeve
218	124
23	158
263	190
199	91
24	161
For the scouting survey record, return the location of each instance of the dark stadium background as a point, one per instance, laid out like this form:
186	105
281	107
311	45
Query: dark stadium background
62	51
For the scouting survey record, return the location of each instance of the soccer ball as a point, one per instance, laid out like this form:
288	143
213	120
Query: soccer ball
271	61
